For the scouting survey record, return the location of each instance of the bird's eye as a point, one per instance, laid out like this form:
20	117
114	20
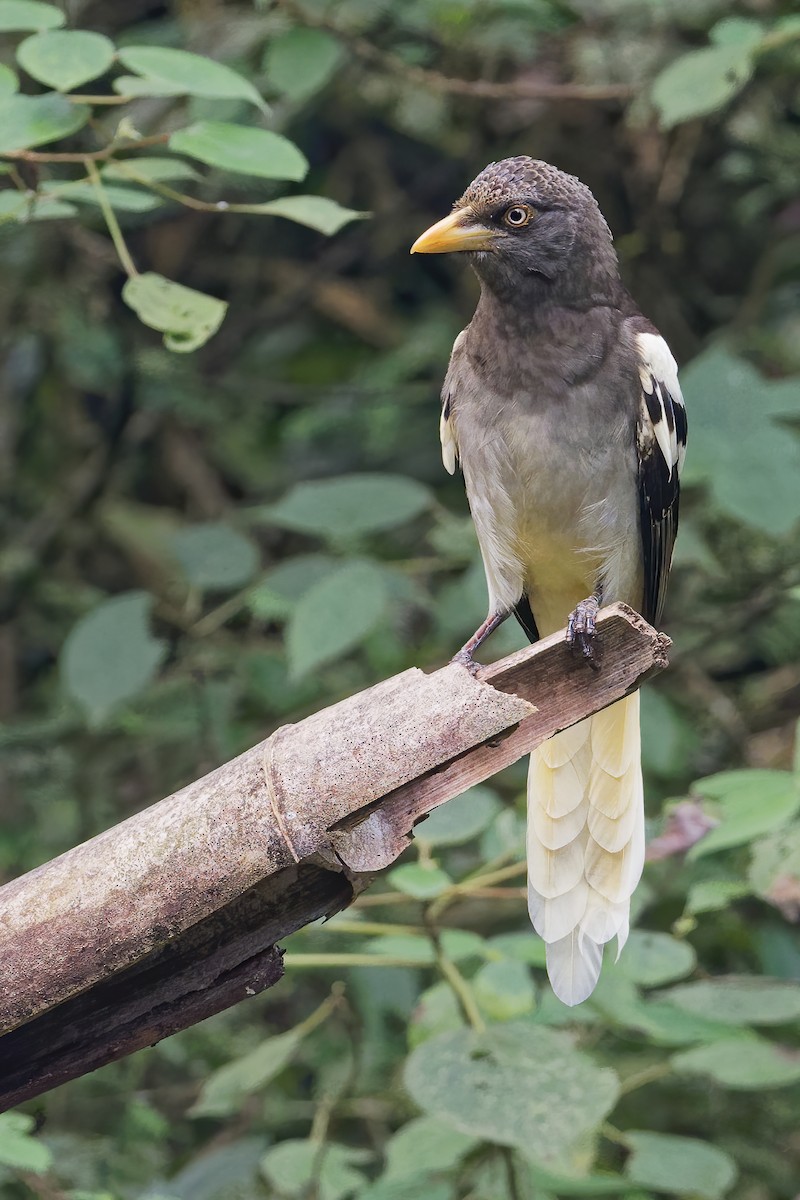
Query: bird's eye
518	215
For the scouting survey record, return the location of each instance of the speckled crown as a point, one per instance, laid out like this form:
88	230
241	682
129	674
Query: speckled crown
525	178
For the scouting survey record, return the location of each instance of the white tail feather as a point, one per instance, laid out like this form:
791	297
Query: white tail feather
585	843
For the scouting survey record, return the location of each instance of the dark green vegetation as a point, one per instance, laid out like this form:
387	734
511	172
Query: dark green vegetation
197	547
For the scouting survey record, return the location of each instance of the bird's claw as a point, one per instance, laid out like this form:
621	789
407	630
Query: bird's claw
582	631
465	659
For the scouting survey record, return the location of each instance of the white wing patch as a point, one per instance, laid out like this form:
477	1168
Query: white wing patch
662	399
447	436
661	445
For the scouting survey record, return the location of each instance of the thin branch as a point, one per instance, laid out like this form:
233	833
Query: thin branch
96	156
111	221
481	89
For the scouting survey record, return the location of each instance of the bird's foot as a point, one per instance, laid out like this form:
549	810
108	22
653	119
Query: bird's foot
582	631
464	657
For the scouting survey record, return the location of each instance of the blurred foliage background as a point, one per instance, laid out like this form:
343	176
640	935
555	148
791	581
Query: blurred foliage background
198	547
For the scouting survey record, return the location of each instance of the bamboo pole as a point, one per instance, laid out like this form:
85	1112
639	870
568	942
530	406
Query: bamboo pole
175	913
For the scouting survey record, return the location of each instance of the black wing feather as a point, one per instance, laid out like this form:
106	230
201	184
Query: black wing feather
659	490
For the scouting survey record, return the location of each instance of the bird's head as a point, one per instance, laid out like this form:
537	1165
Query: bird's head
524	222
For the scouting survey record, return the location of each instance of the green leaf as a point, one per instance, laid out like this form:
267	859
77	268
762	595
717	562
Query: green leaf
301	61
110	655
134	86
123	199
750	803
679	1165
225	1090
334	616
424	1146
667	1025
215	556
458	945
293	1165
18	1149
317	212
775	870
9	84
741	1063
586	1185
436	1012
350	505
275	596
423	881
193	74
737	31
163	169
19	16
186	318
747	460
739	999
711	895
65	58
504	990
651	959
27	121
24	207
460	819
701	82
241	148
517	1084
519	947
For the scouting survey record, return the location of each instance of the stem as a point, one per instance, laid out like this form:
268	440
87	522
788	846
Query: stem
42	156
465	886
648	1075
378	928
463	993
299	959
111	220
322	1013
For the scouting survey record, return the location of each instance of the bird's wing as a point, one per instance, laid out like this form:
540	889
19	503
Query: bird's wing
661	446
447	433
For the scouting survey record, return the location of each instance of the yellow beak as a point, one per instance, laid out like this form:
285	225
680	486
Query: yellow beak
458	231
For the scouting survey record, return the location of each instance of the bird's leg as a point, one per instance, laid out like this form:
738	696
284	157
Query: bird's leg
582	630
480	635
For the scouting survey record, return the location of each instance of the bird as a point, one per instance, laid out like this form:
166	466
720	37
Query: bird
562	405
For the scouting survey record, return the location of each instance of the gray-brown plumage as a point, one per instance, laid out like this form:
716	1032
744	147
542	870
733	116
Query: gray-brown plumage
562	405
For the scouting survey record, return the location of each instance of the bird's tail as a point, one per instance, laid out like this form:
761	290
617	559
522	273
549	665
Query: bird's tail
585	842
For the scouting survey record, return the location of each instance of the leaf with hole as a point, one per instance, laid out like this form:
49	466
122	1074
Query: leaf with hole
242	149
679	1165
27	121
110	655
65	58
517	1084
192	74
186	318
